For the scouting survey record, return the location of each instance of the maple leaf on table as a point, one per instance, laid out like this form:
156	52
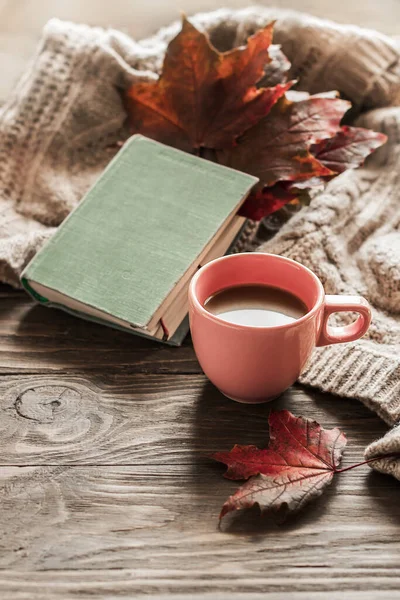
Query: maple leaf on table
298	464
204	98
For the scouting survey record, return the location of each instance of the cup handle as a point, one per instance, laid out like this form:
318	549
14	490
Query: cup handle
348	333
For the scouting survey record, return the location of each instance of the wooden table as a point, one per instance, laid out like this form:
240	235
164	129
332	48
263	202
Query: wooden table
106	491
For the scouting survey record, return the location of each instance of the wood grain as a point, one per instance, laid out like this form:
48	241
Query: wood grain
106	490
147	419
119	477
35	339
357	584
163	518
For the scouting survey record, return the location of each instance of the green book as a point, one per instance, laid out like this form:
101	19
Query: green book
125	255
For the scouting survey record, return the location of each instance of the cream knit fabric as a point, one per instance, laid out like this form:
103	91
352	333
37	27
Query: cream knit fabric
59	128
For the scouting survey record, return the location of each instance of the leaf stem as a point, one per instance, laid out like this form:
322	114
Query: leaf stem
366	462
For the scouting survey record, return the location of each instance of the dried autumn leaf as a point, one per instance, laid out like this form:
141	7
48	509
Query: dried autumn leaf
278	147
261	203
204	98
222	106
348	148
298	464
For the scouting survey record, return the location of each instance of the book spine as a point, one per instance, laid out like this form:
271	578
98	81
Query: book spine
38	297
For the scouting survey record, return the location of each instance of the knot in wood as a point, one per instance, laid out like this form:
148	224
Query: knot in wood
47	403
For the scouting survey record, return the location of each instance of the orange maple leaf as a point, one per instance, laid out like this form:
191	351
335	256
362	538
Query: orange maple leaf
204	98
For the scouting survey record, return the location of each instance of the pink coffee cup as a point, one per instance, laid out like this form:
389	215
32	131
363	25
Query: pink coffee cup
255	364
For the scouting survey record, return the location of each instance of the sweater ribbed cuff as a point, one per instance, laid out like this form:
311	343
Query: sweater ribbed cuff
355	371
386	447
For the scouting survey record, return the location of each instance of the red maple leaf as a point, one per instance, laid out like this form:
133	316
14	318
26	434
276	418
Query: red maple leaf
261	203
298	464
348	148
278	147
233	108
204	98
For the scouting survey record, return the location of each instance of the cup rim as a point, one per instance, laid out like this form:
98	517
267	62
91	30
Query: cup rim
260	328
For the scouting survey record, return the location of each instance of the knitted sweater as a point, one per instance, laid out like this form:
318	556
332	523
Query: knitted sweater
58	132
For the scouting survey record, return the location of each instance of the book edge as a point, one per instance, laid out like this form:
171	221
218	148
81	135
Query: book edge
175	340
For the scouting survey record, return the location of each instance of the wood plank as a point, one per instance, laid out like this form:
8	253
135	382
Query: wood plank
165	519
6	291
36	339
311	584
136	419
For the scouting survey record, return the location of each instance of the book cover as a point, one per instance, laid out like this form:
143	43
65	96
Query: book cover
138	230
